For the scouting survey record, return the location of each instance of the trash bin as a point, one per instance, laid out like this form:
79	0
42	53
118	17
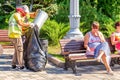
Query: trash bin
44	43
40	19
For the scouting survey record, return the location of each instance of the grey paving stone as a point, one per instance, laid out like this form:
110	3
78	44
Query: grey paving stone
52	72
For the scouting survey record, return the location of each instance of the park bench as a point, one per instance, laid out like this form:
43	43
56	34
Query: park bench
73	50
4	39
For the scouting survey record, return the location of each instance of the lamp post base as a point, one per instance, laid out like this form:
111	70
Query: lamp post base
74	34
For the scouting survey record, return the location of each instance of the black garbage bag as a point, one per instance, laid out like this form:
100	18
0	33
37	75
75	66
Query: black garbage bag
34	56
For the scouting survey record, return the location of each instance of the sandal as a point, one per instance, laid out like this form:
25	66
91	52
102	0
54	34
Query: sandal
110	73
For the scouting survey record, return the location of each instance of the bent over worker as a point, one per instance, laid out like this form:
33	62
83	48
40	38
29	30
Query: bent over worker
16	23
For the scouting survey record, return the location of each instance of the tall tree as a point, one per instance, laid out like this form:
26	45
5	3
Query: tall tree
110	8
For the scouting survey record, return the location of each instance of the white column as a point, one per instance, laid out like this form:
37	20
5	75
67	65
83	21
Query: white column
74	18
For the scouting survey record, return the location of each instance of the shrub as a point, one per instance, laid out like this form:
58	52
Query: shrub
53	31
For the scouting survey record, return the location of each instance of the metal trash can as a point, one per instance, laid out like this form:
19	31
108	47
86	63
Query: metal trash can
40	18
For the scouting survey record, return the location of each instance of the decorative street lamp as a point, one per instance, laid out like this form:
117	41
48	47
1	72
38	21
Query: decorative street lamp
74	18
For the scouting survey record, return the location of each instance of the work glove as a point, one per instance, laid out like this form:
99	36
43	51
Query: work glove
32	25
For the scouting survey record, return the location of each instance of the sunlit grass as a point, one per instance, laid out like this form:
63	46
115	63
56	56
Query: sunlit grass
5	43
56	52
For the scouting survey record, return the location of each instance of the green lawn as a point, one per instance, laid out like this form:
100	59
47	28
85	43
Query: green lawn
55	51
5	43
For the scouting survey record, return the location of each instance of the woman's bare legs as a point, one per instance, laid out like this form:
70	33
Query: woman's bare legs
100	56
105	62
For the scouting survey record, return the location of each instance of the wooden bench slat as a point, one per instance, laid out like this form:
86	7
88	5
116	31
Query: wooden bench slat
4	40
76	44
72	48
3	36
115	55
80	57
8	46
84	57
78	51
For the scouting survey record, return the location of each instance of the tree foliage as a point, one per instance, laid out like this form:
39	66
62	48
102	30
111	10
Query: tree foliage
92	10
6	9
50	6
110	8
106	12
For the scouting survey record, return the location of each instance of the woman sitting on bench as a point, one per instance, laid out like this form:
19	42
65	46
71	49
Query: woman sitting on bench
96	46
115	37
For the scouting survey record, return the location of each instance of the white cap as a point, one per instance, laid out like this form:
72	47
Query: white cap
26	9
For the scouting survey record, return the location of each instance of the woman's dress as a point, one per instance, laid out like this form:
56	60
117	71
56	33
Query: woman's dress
96	45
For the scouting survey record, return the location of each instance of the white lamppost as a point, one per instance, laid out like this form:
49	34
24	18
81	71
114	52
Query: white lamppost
74	18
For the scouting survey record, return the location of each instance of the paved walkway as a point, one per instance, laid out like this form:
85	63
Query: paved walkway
54	73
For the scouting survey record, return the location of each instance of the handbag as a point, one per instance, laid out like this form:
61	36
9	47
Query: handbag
90	53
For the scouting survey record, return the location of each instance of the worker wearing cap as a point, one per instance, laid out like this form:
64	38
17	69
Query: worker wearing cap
17	20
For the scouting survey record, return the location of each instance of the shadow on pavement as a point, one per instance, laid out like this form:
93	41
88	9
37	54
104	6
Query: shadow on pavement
94	69
5	62
5	65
